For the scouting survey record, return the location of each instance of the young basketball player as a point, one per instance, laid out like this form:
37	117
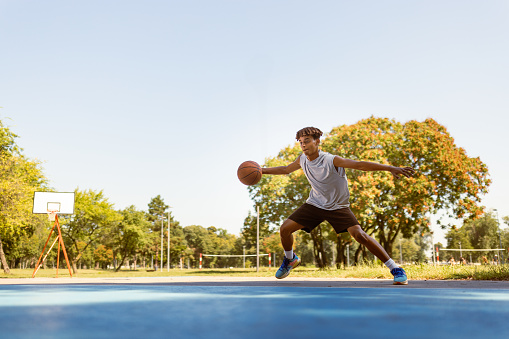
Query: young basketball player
329	200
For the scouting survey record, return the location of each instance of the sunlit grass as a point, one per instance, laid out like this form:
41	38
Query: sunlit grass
368	271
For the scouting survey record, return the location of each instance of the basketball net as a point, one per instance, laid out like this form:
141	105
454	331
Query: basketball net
52	215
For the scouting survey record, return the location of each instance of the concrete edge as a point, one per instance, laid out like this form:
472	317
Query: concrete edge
259	282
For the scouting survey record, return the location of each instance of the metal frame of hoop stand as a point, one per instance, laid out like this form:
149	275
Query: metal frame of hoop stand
52	214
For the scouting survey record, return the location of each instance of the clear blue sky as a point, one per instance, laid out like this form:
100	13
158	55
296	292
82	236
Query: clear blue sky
140	98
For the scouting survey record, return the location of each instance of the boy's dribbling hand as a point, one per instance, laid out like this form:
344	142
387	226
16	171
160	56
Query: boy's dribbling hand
397	172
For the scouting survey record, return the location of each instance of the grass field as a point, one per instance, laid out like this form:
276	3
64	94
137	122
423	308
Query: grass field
415	272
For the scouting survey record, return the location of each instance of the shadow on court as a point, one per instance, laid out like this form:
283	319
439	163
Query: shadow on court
192	311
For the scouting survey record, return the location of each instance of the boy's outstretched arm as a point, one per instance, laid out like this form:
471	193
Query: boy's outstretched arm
282	169
397	172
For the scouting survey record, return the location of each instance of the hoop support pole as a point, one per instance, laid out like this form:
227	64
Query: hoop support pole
58	256
39	261
63	246
44	259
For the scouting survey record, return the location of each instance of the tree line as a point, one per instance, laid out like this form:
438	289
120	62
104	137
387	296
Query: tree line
397	213
447	181
482	233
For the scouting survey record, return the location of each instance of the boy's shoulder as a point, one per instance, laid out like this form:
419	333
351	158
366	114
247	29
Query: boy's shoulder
322	156
327	155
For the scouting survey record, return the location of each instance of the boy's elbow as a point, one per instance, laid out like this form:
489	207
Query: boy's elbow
288	170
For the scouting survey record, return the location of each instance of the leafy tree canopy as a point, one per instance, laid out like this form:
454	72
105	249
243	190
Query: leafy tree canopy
446	178
20	177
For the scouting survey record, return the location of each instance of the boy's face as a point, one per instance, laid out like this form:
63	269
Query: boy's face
308	144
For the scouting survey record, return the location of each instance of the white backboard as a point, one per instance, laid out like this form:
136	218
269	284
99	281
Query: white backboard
59	202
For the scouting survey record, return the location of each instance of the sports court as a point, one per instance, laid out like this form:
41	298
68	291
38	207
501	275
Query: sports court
195	307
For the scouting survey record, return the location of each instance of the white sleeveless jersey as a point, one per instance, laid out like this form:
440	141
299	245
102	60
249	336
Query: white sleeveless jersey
329	187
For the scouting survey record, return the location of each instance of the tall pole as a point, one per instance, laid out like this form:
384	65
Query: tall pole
257	238
400	253
499	239
348	255
244	251
162	232
432	248
169	223
461	254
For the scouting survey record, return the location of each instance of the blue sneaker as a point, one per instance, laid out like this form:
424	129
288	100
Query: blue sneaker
287	266
399	276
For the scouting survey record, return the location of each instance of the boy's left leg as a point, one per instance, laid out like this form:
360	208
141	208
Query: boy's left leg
374	247
291	260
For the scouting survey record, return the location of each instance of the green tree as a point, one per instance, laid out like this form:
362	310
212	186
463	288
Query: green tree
458	237
249	231
210	240
156	209
412	250
272	244
86	254
131	234
178	244
94	218
199	240
505	237
20	177
446	178
102	256
224	243
342	241
481	233
157	215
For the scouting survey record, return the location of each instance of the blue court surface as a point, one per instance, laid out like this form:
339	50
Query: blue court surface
168	311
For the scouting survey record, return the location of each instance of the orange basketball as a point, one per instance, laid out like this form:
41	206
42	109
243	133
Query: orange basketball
249	173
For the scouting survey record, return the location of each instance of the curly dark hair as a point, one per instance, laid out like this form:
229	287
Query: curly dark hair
312	131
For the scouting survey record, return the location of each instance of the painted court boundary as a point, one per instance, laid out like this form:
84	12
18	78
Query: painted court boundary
261	282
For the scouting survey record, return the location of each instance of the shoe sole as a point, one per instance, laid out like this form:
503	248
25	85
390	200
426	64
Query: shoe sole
400	283
288	273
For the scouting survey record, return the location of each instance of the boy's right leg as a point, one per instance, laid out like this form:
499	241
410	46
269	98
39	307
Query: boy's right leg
286	233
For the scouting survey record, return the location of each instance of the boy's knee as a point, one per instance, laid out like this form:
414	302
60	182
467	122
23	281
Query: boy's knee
286	229
361	237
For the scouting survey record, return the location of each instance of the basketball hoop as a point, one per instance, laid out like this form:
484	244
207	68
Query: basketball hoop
53	204
52	215
53	208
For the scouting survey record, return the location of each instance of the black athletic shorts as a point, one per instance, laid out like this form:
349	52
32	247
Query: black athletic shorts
310	216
